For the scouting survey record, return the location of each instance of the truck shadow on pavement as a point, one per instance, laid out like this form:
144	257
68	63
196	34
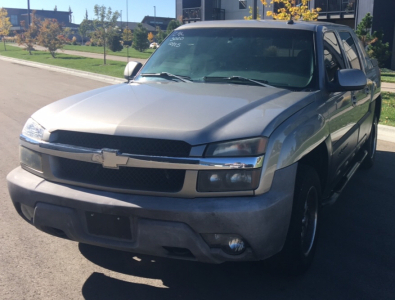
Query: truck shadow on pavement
354	258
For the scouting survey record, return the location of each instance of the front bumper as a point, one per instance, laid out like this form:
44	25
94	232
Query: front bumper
160	223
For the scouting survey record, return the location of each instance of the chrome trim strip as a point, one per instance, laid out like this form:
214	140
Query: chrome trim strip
143	161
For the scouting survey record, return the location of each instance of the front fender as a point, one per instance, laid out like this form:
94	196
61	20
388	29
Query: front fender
292	140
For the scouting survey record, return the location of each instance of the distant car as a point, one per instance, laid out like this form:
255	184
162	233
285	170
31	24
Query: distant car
154	45
222	147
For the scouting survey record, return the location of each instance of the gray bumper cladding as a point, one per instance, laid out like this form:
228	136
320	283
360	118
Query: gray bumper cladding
157	225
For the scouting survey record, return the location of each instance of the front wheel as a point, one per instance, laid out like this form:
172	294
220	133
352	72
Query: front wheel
370	145
299	248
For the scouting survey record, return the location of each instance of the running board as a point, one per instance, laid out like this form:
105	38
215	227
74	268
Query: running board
344	181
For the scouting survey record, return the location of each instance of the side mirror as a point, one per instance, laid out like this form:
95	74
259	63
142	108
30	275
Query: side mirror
348	80
132	69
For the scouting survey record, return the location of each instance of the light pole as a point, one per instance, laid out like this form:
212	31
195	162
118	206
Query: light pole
28	14
127	29
255	10
155	16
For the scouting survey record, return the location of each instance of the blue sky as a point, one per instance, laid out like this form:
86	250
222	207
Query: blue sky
137	9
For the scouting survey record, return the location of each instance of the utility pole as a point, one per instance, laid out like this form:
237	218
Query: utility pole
155	16
255	14
28	14
127	28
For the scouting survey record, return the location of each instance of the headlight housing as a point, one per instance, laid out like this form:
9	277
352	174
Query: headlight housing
33	130
228	180
30	159
239	148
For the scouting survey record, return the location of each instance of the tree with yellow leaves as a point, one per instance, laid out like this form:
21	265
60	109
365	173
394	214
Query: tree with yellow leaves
150	37
250	17
5	24
291	11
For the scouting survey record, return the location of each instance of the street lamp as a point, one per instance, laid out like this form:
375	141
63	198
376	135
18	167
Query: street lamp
28	14
155	16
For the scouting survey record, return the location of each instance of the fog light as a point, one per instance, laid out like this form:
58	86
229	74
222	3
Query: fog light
30	158
232	244
235	246
28	212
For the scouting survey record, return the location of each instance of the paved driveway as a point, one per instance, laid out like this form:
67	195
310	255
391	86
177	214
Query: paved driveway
355	258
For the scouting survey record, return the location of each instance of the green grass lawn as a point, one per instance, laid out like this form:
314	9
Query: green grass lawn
388	109
94	65
387	75
132	52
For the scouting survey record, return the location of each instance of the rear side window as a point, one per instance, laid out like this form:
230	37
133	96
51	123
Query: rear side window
350	49
333	57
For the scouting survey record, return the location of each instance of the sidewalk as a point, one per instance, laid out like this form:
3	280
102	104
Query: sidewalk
388	87
88	54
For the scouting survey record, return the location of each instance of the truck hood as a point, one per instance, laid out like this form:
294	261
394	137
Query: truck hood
197	113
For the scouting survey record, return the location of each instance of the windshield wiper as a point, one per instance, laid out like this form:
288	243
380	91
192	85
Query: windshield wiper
165	75
238	78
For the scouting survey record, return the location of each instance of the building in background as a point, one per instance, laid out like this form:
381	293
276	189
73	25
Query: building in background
17	15
160	22
133	25
347	12
351	12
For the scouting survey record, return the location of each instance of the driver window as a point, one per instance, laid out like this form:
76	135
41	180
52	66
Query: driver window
333	57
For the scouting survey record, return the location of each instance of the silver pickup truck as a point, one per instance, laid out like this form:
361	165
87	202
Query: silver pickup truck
224	146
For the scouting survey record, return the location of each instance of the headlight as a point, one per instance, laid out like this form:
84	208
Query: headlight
228	180
33	130
247	147
30	158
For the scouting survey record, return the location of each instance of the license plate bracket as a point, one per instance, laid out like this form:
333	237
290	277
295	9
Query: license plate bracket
108	225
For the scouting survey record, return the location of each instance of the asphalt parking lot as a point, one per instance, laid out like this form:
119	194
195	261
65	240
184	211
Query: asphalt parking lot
355	257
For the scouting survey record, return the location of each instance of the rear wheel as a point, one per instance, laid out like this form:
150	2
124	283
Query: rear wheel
298	251
370	145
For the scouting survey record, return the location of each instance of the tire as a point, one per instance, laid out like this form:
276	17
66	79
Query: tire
370	146
298	252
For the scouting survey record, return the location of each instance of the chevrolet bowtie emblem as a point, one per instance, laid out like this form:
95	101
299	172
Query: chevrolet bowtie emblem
109	159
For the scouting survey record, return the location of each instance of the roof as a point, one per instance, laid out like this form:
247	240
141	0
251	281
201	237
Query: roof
157	18
133	25
300	25
37	10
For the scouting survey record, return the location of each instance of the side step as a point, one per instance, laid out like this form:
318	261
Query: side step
344	181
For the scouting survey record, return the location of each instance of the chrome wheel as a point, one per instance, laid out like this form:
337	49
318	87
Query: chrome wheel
309	221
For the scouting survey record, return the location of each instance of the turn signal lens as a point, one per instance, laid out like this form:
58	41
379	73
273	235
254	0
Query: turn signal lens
33	130
247	147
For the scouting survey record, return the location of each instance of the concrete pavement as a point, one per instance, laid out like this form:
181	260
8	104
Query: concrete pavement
354	258
388	87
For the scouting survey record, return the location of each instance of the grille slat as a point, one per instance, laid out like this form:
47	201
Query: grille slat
124	144
157	180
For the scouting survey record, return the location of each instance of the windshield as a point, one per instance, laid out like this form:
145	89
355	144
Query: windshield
278	57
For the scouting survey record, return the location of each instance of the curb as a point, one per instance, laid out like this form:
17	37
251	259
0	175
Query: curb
84	74
386	133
